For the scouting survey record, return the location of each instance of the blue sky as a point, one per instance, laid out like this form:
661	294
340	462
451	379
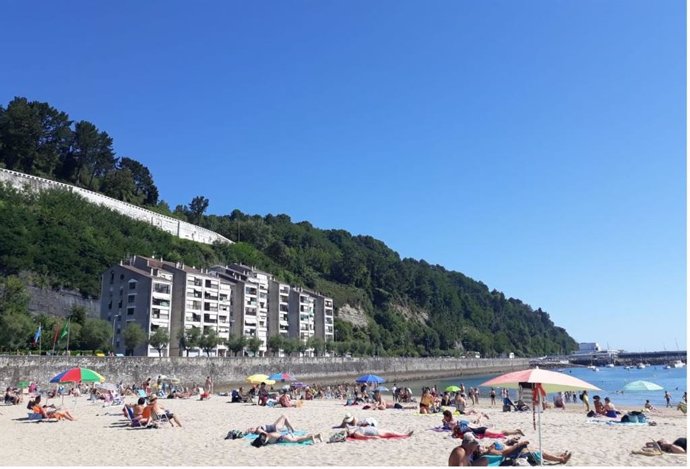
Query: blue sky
537	146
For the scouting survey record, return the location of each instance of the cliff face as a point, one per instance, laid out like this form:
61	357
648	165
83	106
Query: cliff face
354	315
60	302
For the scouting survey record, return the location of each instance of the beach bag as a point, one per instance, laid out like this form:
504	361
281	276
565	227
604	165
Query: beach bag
591	413
582	396
338	437
234	435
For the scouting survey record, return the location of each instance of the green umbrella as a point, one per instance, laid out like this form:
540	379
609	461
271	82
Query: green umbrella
452	388
23	384
642	386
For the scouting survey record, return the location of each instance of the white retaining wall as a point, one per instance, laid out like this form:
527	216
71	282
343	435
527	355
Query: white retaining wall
177	227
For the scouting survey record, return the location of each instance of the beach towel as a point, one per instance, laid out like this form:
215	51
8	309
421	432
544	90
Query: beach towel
252	436
615	422
440	428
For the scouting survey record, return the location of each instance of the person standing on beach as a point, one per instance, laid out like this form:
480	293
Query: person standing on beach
208	385
585	400
492	394
667	396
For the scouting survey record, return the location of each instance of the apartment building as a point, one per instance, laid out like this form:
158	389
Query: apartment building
324	325
156	293
140	293
232	300
201	300
278	308
250	301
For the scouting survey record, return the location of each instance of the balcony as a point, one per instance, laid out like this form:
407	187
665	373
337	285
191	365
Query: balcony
161	289
211	284
161	303
194	282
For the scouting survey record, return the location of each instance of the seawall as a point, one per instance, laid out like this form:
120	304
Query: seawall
227	371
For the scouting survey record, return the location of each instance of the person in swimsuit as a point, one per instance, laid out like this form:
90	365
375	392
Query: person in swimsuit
269	438
279	425
373	433
463	455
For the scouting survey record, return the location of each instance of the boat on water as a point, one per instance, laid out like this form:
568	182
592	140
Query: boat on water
641	366
675	364
629	367
593	368
610	365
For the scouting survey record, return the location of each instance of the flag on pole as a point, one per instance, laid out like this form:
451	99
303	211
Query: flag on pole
37	335
56	329
65	330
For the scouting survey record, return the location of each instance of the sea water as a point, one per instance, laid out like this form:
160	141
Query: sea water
610	380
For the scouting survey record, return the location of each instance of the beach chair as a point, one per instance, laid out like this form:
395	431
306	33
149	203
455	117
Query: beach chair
141	393
136	423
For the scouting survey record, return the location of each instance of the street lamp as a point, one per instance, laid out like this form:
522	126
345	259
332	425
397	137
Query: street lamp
117	316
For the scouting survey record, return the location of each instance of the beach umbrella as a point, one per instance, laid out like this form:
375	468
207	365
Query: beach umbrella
452	388
75	375
370	379
282	377
23	384
381	388
642	386
259	378
541	382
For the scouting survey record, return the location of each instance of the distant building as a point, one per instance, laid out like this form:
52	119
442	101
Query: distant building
231	300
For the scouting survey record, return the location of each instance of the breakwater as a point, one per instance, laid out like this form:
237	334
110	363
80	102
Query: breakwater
229	371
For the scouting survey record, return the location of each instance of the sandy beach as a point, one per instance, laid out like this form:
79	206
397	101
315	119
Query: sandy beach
100	437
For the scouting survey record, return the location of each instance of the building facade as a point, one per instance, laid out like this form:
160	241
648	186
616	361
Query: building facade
233	300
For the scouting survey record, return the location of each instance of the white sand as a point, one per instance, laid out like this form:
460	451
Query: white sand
98	437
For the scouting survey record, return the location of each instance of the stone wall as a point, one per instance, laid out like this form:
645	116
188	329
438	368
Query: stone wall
171	225
233	370
60	302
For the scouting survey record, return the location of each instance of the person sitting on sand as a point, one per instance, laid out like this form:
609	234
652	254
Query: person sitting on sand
446	400
279	425
448	422
371	432
659	447
138	408
610	409
599	406
269	438
463	455
648	406
159	411
50	413
379	402
263	394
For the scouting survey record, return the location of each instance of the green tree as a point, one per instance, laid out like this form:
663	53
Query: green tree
189	338
133	336
317	344
144	188
96	334
16	330
236	344
13	296
77	315
274	344
197	207
209	341
253	345
159	340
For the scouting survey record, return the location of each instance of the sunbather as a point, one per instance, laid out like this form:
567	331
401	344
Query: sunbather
372	433
518	450
463	427
158	410
657	448
279	425
285	401
49	413
267	438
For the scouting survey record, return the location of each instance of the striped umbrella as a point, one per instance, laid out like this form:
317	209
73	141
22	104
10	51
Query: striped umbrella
76	375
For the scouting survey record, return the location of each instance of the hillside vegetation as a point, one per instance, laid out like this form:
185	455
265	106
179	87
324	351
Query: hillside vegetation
411	307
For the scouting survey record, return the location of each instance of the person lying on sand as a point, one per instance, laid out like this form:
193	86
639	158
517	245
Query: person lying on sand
463	427
373	433
268	438
659	447
279	425
470	453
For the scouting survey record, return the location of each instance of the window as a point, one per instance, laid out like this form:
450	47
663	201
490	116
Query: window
112	277
132	284
110	305
122	276
130	311
161	288
131	298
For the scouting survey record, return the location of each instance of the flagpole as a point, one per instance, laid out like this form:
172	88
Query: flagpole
55	336
40	339
68	331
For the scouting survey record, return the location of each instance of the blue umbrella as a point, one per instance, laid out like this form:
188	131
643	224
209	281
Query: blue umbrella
282	377
370	379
